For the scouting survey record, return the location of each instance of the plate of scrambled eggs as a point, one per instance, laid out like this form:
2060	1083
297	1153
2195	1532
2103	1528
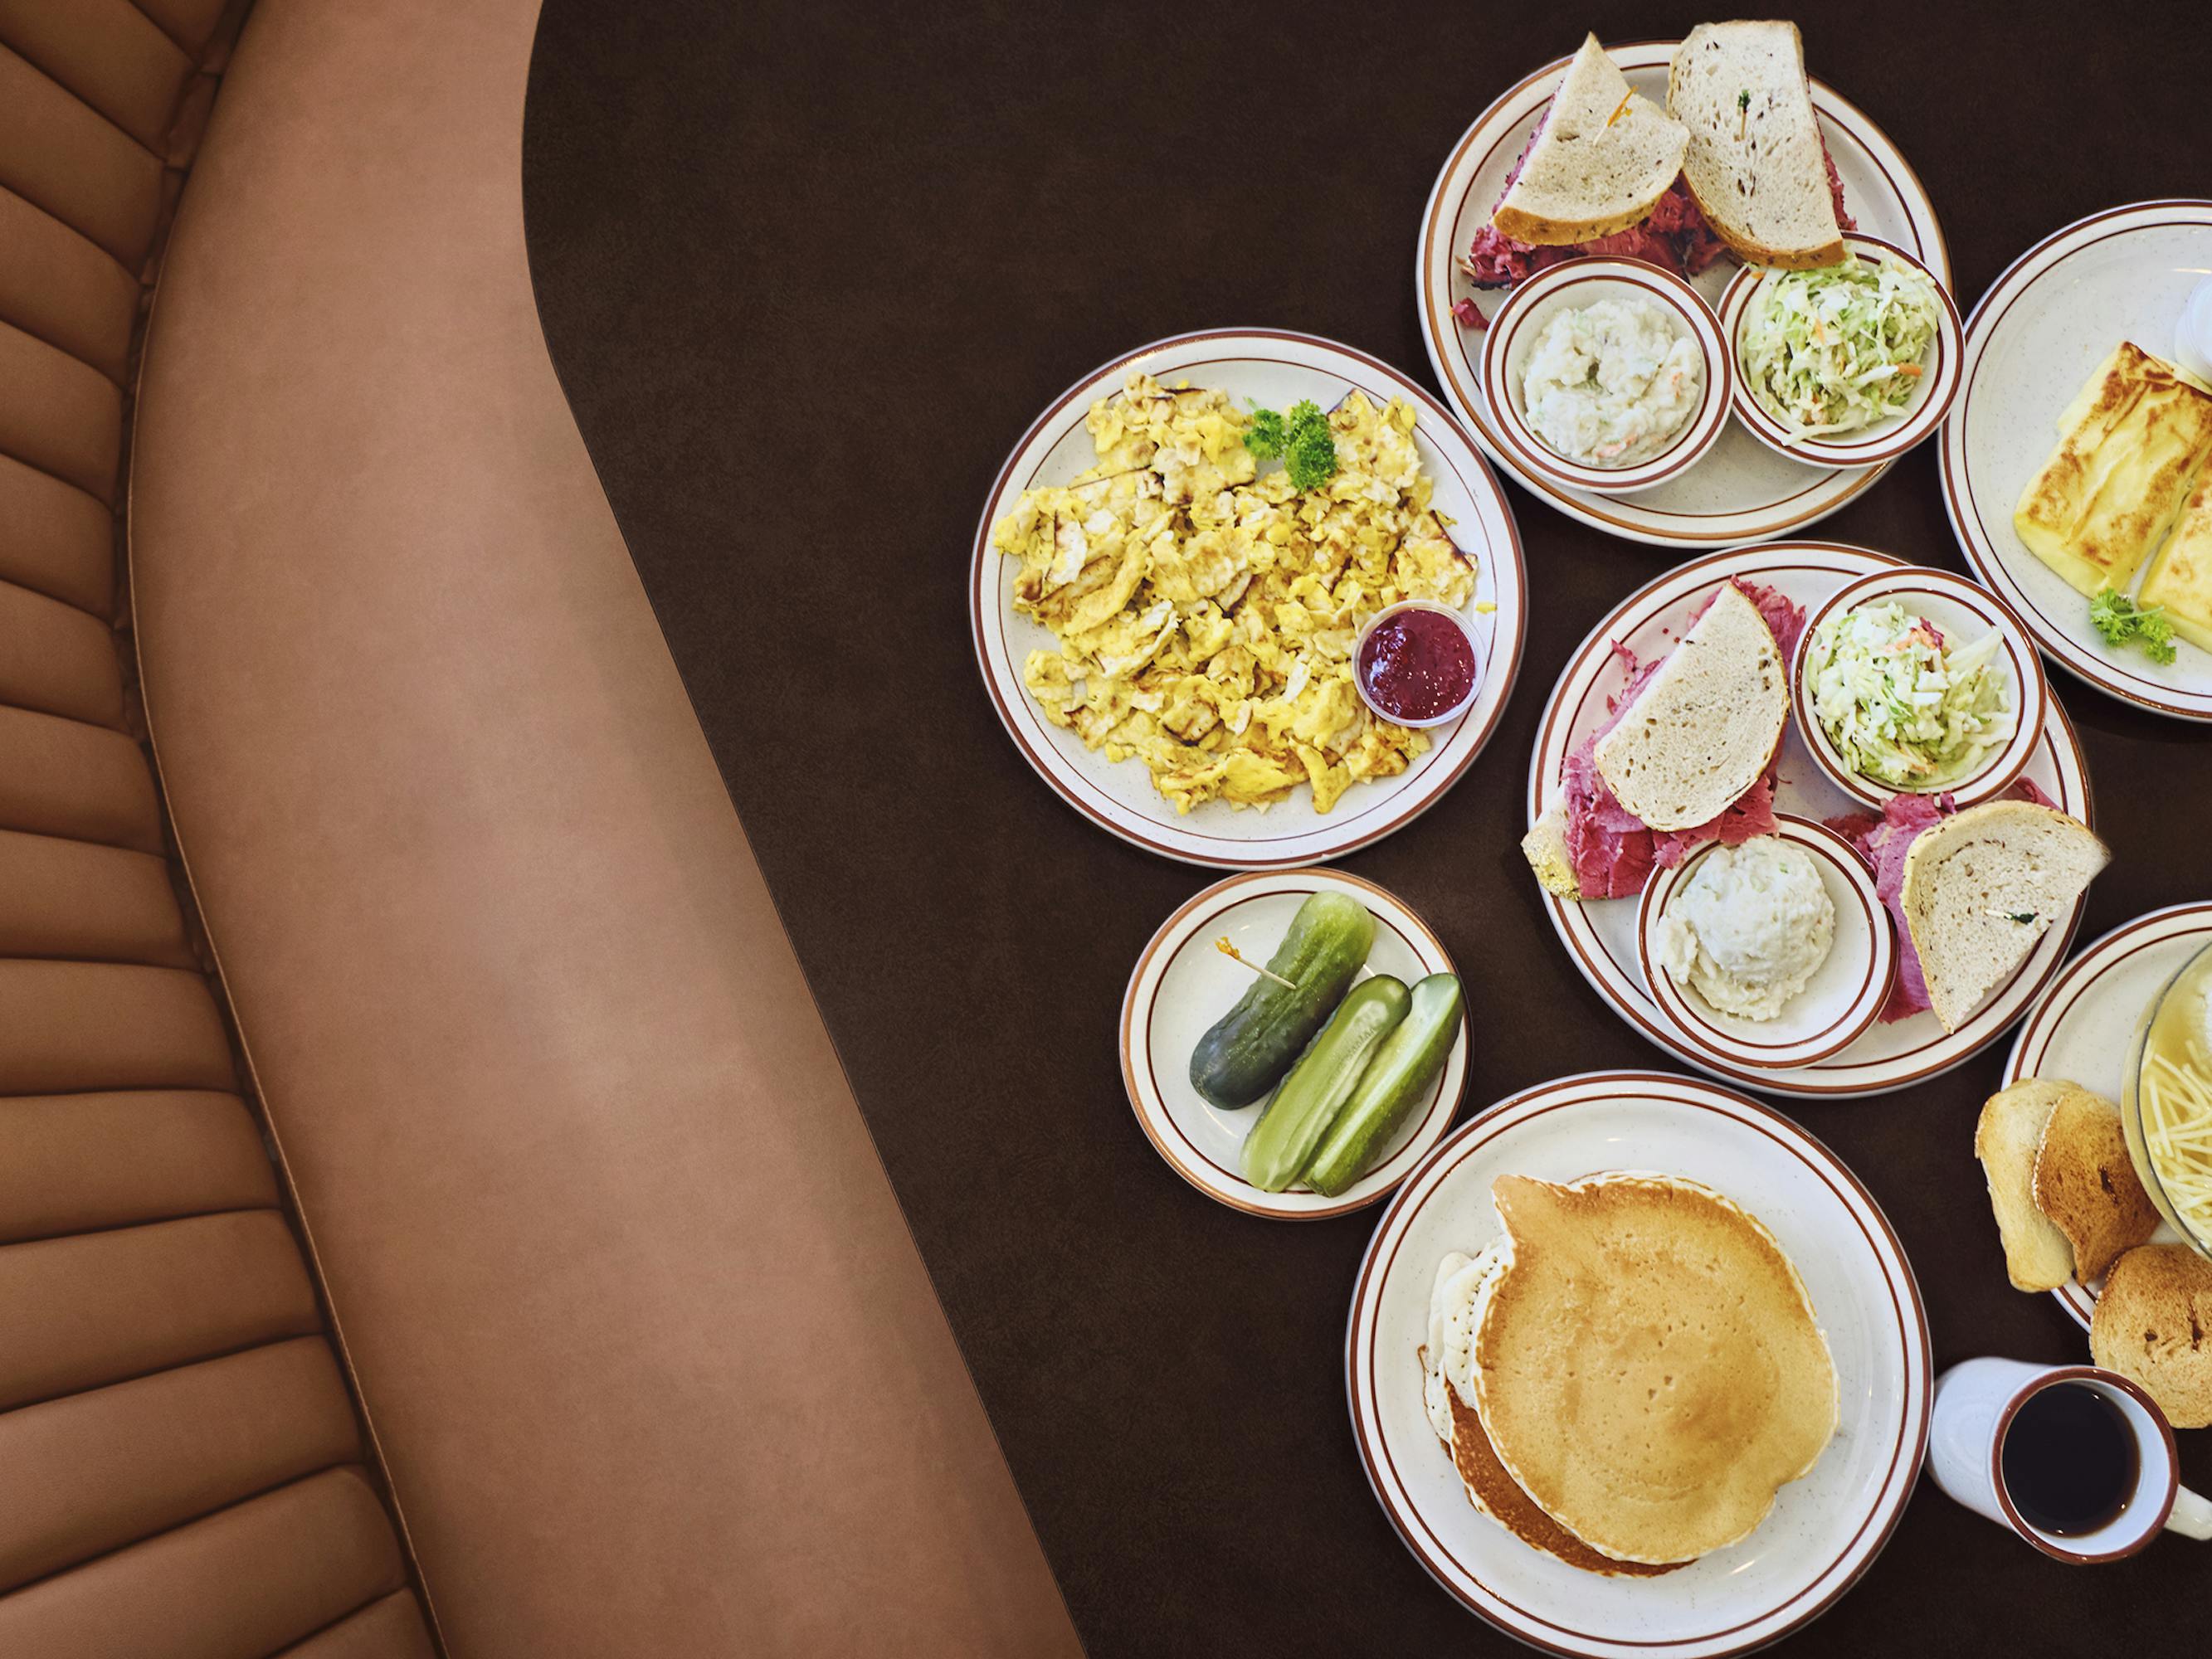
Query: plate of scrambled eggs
1167	615
2077	461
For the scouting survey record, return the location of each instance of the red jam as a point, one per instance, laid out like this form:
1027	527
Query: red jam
1417	665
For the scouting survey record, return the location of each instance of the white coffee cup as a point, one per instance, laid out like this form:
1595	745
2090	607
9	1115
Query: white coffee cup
1976	1401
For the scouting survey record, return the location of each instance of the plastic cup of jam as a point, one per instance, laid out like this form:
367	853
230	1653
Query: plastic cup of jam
1415	665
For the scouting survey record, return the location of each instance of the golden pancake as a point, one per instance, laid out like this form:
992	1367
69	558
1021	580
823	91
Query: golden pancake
1648	1366
1493	1492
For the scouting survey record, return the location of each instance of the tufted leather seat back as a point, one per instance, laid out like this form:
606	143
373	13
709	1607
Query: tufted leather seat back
182	1473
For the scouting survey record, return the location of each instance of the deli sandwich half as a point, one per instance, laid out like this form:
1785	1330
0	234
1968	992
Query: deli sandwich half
1685	757
1735	163
1604	157
1972	889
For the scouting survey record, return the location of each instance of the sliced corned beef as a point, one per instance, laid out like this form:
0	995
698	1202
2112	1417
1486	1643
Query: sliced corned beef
1673	234
1613	852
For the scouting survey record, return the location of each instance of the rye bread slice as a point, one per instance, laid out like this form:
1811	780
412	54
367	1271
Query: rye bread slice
1606	155
1705	725
1755	164
1983	886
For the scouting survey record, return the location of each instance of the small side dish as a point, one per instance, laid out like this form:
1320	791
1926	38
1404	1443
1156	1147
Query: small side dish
1838	348
1749	929
1416	665
1341	1060
1902	704
1606	374
1610	384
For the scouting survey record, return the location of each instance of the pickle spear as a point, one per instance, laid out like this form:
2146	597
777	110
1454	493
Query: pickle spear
1282	1143
1249	1049
1395	1083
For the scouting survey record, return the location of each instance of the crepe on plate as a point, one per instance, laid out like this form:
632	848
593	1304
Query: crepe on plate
1630	1373
2180	577
2128	444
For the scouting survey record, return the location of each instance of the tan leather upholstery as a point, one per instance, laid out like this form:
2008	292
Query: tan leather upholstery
651	1355
60	153
110	54
60	541
59	287
180	1458
240	1583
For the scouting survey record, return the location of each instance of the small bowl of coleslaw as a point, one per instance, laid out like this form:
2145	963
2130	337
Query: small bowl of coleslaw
1607	373
1846	366
1912	681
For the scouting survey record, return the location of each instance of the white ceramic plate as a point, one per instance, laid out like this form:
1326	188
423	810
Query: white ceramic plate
2031	343
1825	1529
1528	311
1182	984
1742	491
1600	935
1884	440
2081	1028
1274	369
1838	1004
1960	611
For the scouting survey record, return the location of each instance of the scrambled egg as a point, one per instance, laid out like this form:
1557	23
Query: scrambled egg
1205	614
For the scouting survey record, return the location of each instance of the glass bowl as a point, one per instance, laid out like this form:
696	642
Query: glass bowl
2177	1026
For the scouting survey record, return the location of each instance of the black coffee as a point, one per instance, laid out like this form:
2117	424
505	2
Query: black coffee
2069	1460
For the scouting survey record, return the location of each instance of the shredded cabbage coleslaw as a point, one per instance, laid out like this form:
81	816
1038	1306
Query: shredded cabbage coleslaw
1839	348
1902	706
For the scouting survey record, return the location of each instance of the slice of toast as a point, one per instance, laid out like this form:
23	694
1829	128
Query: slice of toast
1705	725
1755	164
1983	886
2006	1140
2153	1326
2085	1182
1604	158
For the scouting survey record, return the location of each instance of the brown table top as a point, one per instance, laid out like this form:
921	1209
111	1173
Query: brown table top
806	275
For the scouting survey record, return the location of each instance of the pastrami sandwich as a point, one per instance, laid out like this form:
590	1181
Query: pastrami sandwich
1687	756
1735	163
1971	892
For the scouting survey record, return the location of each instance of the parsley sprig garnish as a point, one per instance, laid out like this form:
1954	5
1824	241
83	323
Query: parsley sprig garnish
2121	621
1301	441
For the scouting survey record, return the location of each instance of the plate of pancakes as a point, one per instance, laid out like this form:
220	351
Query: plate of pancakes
1635	1366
